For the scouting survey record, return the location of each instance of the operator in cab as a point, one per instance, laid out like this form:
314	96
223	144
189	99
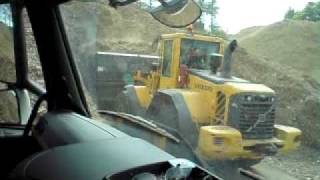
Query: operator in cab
215	62
193	58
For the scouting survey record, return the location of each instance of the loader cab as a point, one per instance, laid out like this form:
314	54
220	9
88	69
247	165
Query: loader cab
181	50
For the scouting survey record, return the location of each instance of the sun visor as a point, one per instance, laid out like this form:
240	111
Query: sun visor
177	13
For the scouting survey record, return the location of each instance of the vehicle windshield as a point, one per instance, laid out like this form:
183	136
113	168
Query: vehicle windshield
196	53
139	76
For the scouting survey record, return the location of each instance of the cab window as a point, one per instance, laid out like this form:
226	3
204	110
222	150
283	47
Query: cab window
167	58
8	102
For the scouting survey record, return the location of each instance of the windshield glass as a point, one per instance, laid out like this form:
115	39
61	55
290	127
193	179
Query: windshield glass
196	54
138	76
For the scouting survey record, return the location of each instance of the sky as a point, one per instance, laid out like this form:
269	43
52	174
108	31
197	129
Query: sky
234	15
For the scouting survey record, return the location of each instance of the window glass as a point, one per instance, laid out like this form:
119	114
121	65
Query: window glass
7	63
34	66
273	83
167	58
195	53
8	101
83	23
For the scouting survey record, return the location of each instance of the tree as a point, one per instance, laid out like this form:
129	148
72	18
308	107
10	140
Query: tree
209	8
5	14
299	15
289	14
310	13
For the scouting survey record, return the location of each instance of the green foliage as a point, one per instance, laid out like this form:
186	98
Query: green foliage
310	13
219	33
209	9
289	14
298	15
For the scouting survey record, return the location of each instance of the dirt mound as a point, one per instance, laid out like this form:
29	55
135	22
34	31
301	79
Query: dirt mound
125	29
291	43
128	29
246	32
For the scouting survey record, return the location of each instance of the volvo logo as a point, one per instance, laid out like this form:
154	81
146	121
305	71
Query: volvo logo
261	118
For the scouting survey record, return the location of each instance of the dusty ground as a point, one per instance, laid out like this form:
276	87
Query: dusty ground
303	164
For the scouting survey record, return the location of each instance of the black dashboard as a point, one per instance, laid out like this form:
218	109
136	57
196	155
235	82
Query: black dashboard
112	159
105	154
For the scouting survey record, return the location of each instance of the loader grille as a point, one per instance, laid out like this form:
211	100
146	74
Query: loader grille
254	116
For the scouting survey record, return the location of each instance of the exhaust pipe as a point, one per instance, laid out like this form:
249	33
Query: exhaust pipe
227	60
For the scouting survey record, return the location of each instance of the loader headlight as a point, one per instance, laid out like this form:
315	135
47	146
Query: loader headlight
273	99
248	98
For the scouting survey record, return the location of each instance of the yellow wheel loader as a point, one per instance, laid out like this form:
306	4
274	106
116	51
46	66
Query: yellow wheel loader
193	93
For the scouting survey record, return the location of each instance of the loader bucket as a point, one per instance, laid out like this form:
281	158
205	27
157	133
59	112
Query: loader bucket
177	13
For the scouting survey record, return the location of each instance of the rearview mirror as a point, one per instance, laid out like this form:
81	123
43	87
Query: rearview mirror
177	13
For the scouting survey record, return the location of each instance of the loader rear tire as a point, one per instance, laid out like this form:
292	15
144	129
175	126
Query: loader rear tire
169	108
122	103
127	102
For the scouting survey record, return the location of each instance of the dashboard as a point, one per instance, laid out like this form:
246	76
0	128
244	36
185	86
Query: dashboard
76	147
110	159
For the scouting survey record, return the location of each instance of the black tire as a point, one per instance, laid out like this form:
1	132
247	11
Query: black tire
122	103
126	104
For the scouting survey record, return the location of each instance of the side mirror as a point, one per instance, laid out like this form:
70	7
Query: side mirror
15	105
9	113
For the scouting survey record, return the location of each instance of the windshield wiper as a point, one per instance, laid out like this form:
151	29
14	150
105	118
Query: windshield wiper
142	123
157	128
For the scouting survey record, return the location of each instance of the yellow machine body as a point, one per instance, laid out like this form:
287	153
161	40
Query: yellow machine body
224	142
209	104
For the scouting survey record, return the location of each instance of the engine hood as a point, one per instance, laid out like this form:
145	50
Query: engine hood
207	75
249	87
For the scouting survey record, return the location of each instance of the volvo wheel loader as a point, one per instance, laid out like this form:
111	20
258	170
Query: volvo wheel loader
192	93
